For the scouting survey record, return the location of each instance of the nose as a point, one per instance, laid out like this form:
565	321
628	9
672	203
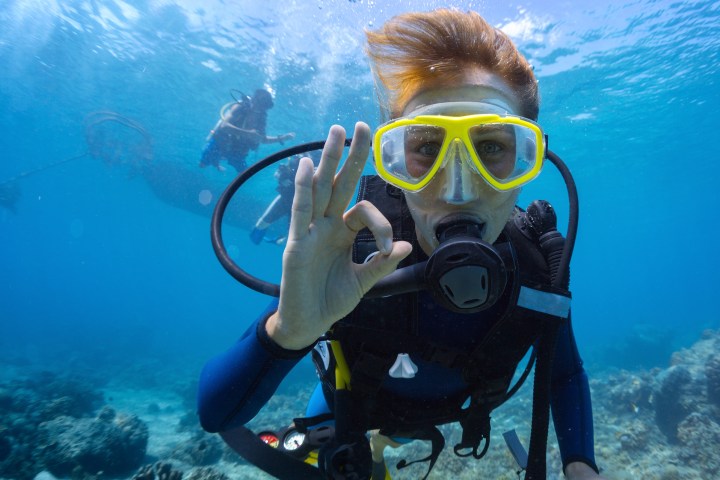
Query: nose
460	177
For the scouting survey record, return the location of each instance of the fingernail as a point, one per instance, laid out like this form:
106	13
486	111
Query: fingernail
387	246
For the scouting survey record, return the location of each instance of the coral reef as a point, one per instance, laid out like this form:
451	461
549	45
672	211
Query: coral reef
657	424
206	473
688	386
712	373
663	423
700	438
628	392
158	471
27	402
110	443
672	399
47	423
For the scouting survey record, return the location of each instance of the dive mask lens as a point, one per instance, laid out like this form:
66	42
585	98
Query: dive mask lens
507	154
407	155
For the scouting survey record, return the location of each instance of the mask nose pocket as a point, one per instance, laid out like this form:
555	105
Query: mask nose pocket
459	182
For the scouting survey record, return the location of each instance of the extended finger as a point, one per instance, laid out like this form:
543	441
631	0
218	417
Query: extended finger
348	177
302	206
325	175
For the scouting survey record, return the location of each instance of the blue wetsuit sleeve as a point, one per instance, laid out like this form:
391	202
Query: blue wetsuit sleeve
237	383
571	404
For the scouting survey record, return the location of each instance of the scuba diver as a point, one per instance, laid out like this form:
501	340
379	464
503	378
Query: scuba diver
419	302
241	128
281	205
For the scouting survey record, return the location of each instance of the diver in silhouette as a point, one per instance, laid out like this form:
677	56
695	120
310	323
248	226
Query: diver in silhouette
241	128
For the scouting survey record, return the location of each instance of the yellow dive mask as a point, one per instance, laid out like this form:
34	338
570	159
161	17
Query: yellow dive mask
506	150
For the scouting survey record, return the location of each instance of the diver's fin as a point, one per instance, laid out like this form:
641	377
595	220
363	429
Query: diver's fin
257	235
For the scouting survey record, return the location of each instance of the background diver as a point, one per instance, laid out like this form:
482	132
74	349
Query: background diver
241	128
281	205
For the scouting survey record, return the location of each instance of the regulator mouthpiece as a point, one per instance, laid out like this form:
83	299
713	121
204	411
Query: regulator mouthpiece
465	274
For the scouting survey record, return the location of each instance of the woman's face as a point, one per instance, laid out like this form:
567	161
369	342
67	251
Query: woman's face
439	199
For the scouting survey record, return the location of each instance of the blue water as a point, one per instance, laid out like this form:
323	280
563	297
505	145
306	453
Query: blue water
97	268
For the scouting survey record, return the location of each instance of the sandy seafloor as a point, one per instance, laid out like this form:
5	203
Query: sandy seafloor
629	441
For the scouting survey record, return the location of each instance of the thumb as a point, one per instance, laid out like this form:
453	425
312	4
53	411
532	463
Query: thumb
382	265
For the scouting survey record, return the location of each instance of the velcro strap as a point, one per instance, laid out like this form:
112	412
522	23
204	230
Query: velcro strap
548	303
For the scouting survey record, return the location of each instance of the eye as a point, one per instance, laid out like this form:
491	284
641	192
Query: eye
493	143
488	148
422	147
423	141
429	149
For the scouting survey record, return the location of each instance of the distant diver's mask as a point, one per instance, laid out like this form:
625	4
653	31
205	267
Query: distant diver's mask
460	141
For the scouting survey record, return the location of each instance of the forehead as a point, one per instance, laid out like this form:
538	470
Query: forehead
475	86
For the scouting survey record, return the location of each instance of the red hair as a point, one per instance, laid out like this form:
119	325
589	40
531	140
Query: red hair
416	51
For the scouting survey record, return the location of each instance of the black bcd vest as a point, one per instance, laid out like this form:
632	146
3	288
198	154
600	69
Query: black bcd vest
379	329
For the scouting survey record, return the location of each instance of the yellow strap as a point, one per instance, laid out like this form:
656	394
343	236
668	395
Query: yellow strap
312	458
342	371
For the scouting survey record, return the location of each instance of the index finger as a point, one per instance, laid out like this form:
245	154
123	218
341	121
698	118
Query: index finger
347	178
324	176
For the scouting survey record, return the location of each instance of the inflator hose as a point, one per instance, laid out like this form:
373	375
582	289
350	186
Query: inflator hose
559	273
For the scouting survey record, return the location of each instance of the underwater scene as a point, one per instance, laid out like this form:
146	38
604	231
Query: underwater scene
112	295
